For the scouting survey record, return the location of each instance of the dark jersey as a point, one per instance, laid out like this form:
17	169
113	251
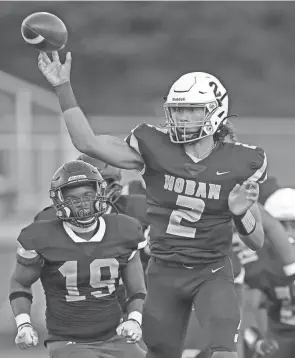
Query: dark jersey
279	290
188	202
255	262
266	274
134	205
249	260
79	277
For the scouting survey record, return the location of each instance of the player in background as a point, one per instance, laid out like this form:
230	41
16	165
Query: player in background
247	267
197	185
79	258
136	187
275	279
131	205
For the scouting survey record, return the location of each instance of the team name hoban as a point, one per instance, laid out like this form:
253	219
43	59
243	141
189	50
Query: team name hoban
190	187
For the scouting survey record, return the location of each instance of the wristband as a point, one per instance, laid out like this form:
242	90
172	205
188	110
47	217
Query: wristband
66	96
21	319
136	296
19	294
135	316
245	223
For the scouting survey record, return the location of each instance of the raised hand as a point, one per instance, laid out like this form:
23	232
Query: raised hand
242	197
55	72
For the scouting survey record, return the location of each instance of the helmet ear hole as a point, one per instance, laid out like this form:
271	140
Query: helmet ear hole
100	206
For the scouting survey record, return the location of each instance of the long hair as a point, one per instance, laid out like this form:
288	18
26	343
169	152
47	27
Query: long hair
225	133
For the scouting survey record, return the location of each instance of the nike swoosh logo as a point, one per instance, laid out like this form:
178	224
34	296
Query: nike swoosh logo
215	270
220	173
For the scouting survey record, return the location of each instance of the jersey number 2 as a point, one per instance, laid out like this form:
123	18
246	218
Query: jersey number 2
191	211
103	275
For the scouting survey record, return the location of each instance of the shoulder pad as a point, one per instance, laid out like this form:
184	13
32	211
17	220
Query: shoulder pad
48	213
27	237
27	252
129	229
141	136
257	162
37	235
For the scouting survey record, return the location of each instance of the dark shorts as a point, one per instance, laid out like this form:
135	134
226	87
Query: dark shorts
173	291
115	347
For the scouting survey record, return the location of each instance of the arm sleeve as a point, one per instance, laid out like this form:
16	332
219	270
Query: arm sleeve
139	241
27	252
133	139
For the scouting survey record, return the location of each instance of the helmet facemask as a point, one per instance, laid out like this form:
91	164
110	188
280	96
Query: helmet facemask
181	131
80	211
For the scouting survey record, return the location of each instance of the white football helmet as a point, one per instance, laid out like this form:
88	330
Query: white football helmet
281	204
196	90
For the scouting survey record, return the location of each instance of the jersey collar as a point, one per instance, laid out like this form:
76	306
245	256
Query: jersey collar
98	236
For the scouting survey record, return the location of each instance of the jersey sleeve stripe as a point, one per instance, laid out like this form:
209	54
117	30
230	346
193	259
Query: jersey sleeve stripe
132	255
133	142
263	178
260	175
26	254
141	245
28	257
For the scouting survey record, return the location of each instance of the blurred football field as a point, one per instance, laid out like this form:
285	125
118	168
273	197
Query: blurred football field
8	235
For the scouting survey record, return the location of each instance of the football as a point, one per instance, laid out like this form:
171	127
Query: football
44	31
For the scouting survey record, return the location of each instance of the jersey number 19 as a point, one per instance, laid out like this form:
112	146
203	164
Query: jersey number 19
103	275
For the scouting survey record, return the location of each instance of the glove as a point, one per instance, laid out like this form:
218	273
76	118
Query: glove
26	336
131	330
266	347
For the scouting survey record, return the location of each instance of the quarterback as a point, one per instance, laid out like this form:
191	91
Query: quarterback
197	185
80	257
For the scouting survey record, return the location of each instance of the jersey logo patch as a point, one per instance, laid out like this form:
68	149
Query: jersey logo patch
221	173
